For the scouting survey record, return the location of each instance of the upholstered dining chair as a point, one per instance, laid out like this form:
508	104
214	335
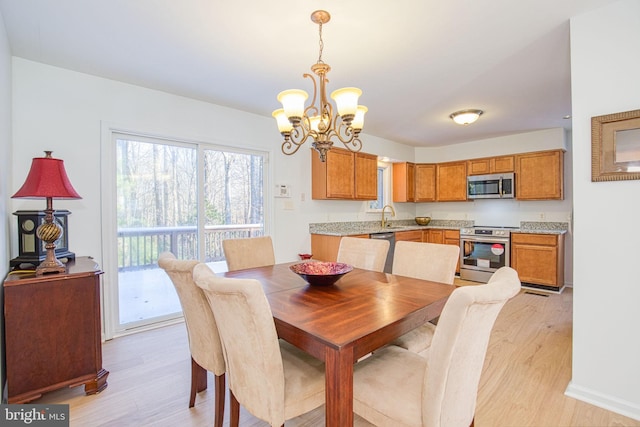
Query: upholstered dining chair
271	379
248	252
368	254
398	387
428	261
202	331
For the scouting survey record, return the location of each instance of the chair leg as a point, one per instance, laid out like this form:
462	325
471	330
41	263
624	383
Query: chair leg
219	404
198	381
234	411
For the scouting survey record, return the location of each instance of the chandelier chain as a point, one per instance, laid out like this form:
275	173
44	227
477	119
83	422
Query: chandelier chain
320	44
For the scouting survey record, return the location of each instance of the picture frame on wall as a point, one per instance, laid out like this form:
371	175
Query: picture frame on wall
615	146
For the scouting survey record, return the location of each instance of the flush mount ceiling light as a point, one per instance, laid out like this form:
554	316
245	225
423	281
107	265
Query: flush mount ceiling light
318	122
466	117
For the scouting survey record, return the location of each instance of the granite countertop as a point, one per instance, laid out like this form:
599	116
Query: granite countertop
372	227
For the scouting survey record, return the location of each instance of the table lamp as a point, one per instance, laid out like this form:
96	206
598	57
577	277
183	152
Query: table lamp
48	179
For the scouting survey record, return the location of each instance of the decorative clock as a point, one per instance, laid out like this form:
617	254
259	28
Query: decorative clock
31	249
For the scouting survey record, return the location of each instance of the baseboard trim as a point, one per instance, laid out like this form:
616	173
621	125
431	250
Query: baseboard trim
610	403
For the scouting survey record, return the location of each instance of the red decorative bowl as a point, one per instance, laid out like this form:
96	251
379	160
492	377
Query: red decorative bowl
318	273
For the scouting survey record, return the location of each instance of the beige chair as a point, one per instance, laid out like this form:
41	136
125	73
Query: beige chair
273	380
429	261
369	254
398	387
248	253
204	340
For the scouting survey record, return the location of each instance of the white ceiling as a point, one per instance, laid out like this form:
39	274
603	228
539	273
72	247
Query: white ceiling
415	60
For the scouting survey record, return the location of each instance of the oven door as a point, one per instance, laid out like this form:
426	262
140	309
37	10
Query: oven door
483	253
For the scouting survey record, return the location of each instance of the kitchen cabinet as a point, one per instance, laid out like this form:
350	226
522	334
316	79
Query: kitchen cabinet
487	165
443	236
366	176
53	332
425	182
451	181
404	182
344	175
325	247
539	175
539	259
409	236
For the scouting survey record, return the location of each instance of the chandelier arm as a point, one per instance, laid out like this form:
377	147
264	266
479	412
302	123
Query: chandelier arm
351	137
312	106
292	144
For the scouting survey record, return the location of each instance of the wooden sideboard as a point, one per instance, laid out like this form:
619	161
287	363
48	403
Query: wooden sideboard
53	331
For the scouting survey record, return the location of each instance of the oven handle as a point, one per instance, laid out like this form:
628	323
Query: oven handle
484	239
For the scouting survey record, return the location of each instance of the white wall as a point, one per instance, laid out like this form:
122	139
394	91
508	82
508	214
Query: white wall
605	63
5	166
60	110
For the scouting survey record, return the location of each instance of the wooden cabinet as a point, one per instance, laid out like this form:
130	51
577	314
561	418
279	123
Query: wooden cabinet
325	247
451	181
404	182
487	165
443	236
433	235
366	176
539	259
425	182
345	175
53	332
452	237
409	236
539	175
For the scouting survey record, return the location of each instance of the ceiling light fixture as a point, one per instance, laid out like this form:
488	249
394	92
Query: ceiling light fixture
466	117
297	123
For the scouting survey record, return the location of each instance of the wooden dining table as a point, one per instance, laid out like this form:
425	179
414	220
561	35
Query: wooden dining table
341	323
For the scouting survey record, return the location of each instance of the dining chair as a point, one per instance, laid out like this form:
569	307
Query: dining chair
270	378
396	386
429	261
368	254
248	252
202	331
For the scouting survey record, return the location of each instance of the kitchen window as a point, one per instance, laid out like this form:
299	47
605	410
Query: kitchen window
384	173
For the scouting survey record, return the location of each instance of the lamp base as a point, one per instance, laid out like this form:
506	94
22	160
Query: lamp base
49	267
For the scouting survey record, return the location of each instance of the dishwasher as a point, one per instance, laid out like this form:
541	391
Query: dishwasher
391	237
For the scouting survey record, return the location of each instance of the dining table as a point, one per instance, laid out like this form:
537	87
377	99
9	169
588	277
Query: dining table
338	324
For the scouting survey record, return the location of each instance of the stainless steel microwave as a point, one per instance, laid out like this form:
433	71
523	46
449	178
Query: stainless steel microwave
494	186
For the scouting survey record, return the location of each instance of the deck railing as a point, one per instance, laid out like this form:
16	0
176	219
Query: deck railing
138	248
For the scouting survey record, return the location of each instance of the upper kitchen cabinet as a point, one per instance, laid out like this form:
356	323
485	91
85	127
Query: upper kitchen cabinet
425	184
539	175
345	175
502	164
451	181
404	182
366	182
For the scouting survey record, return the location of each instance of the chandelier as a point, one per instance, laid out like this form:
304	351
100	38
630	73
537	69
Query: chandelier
318	122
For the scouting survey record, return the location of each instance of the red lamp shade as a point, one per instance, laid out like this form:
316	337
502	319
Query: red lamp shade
47	178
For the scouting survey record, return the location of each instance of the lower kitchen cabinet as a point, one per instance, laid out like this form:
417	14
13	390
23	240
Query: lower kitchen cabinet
409	236
443	236
53	332
539	259
325	247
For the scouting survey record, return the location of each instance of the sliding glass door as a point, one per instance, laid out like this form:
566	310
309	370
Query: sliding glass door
179	197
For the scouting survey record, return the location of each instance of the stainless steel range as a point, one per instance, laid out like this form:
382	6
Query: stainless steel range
483	250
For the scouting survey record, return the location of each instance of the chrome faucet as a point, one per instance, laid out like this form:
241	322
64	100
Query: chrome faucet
384	222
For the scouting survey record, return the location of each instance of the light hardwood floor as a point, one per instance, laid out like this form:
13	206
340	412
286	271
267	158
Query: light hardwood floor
527	369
